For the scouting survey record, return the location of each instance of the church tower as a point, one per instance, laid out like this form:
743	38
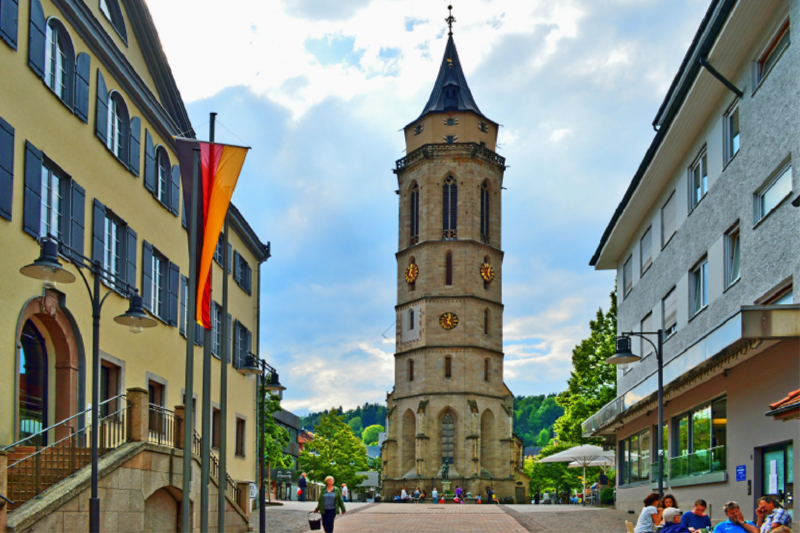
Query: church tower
449	403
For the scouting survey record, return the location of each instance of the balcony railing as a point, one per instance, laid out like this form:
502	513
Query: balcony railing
698	463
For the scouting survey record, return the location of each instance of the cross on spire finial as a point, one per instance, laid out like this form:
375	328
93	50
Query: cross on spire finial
450	20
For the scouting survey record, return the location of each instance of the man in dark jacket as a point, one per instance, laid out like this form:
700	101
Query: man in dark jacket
672	521
302	484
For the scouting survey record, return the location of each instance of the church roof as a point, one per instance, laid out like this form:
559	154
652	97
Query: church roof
451	75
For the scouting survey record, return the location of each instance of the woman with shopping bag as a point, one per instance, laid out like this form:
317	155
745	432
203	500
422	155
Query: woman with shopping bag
329	503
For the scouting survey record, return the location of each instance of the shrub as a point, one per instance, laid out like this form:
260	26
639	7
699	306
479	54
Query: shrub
607	496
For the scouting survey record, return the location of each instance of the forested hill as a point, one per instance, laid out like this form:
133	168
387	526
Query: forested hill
532	415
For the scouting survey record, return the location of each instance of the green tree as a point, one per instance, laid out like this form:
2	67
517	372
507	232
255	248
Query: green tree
553	476
276	438
355	425
592	382
335	451
370	434
543	438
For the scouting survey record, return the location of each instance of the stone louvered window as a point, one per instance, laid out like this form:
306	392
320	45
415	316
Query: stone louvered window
448	439
485	212
450	208
414	214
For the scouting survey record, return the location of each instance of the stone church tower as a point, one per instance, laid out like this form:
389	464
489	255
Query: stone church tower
449	403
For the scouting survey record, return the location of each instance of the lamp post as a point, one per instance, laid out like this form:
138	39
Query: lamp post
623	356
48	268
268	381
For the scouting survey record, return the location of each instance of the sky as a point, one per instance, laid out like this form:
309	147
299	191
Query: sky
320	89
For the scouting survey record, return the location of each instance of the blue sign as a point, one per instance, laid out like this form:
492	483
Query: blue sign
741	473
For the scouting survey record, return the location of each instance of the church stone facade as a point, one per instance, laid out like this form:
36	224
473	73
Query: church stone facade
449	403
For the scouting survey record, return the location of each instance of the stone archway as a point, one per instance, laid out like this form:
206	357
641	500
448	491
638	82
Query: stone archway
64	348
489	443
408	443
161	512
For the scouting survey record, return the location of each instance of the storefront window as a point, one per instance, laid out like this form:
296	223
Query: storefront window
700	437
635	458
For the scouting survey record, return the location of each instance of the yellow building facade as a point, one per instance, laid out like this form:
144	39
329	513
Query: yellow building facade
88	112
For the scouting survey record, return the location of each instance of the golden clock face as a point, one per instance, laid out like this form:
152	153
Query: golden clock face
448	321
412	271
487	272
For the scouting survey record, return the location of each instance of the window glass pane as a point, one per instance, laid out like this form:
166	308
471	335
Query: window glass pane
670	312
786	299
774	53
776	192
634	458
733	132
682	437
627	275
701	429
647	325
647	249
667	220
719	420
734	251
644	454
696	289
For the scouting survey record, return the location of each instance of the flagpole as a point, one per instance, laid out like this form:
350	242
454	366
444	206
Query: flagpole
205	443
191	321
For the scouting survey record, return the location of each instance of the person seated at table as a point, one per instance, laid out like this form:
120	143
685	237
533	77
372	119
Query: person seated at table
672	521
416	493
649	517
423	494
397	498
771	515
697	517
668	501
735	522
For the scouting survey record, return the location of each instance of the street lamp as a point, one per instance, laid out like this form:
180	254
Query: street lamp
268	381
48	268
623	356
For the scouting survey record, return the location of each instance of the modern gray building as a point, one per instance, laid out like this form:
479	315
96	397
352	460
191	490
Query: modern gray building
706	245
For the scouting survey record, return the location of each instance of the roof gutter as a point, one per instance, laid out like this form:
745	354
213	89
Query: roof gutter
704	39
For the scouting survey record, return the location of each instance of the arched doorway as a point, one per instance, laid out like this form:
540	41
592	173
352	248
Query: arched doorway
33	384
408	443
50	371
161	512
489	442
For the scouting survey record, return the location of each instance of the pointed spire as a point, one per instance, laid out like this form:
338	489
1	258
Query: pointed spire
450	92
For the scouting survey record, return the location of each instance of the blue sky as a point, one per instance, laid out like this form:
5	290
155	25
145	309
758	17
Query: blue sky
320	88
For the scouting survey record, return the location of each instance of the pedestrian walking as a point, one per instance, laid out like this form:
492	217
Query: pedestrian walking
302	484
345	493
329	504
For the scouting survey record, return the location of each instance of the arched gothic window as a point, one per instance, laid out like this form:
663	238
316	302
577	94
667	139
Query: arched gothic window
411	319
450	208
59	61
486	321
414	214
448	367
118	126
448	268
485	212
410	370
485	370
448	439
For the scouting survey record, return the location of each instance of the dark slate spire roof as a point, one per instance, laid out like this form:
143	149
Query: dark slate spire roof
451	80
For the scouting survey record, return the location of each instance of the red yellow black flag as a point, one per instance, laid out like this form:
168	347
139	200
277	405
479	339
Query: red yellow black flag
219	166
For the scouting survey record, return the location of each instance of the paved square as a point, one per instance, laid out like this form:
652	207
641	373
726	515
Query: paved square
394	518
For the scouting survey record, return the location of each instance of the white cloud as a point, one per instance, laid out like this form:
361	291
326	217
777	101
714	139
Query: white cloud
559	134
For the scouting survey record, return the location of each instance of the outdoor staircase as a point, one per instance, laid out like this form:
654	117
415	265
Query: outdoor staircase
37	469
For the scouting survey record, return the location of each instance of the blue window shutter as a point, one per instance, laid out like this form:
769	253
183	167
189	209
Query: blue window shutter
101	111
175	197
6	166
130	257
228	345
237	269
174	291
36	38
32	209
183	214
82	72
135	145
182	305
199	333
147	275
149	163
77	221
98	231
9	14
230	257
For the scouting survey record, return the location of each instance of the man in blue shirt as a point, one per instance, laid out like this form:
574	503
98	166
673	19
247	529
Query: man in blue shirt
771	515
696	518
735	522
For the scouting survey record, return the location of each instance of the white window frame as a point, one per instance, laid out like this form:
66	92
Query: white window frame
698	287
773	50
664	237
52	204
158	284
55	70
216	329
698	179
162	180
761	211
671	330
112	249
645	262
113	141
733	247
627	276
732	142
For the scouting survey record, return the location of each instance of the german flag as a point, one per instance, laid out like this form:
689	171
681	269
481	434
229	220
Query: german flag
219	165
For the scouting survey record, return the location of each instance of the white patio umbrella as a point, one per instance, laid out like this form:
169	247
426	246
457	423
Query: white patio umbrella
583	456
